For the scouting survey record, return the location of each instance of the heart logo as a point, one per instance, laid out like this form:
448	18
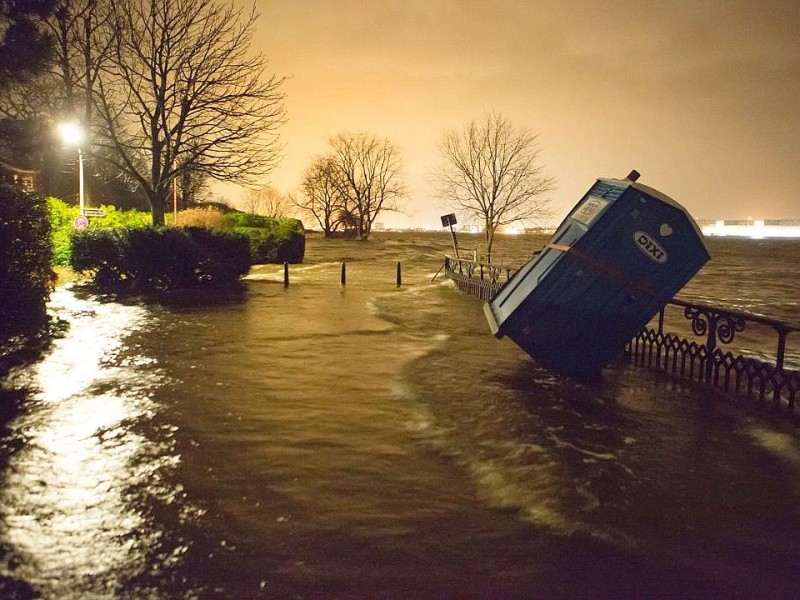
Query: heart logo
665	230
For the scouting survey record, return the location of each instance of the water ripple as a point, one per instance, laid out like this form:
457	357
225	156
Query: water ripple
67	508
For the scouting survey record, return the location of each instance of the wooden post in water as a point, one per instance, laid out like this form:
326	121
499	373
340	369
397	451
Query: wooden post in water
286	274
343	279
399	274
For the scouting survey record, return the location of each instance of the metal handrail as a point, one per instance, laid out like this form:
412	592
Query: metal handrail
756	318
471	266
674	354
722	324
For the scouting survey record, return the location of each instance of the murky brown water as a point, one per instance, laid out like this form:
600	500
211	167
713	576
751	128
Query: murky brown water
375	442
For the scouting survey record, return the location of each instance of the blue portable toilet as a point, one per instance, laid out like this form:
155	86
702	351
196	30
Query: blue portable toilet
621	254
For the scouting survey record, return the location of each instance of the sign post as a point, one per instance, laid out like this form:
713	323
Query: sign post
450	220
174	202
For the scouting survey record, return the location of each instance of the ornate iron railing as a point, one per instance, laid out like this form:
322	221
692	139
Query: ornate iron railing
478	279
705	361
708	362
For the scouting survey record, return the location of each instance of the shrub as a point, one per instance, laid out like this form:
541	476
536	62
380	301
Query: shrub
209	218
238	218
61	223
62	218
26	275
116	218
99	250
271	240
271	246
150	259
231	251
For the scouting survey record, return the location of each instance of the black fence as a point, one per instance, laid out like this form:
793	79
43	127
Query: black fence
478	279
755	369
714	358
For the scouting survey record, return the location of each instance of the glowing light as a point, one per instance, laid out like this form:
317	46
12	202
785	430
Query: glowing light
755	229
72	134
511	229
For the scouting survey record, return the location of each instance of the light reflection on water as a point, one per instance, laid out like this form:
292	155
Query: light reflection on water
65	504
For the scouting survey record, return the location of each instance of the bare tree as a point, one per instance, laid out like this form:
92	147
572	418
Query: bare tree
37	99
490	169
64	89
182	90
25	48
83	43
319	195
368	177
266	201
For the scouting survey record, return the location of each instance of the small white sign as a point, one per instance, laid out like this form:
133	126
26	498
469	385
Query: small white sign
588	211
93	212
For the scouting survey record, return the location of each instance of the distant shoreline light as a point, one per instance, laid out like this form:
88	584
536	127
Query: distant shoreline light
738	229
755	229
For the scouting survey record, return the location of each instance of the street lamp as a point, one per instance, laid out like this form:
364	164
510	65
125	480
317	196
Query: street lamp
72	134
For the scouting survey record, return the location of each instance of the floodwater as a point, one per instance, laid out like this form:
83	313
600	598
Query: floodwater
370	441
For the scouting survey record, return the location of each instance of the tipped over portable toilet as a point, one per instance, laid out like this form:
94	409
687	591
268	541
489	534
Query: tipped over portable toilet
621	254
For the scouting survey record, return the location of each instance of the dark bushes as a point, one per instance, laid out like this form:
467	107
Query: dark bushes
271	240
26	275
237	218
149	259
63	215
270	246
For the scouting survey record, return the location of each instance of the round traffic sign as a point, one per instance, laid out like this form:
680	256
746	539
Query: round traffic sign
81	222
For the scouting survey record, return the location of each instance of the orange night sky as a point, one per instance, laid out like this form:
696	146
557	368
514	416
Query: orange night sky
702	97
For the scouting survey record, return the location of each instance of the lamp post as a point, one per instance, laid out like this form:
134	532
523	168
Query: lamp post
72	135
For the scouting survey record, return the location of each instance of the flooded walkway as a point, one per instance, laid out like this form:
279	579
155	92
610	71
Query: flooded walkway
321	442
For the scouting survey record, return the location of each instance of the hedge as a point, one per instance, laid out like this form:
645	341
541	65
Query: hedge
137	259
274	246
62	217
26	275
271	240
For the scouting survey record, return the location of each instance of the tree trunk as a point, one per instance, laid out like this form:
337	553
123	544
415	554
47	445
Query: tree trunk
157	208
364	229
186	195
489	235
